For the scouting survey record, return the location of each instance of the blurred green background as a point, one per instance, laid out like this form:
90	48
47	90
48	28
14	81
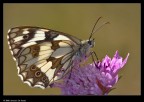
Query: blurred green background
122	34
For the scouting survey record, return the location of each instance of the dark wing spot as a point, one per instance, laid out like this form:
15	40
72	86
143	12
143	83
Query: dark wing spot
44	79
25	36
51	35
38	73
35	51
33	67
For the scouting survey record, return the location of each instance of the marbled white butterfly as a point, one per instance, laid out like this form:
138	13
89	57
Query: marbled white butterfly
41	53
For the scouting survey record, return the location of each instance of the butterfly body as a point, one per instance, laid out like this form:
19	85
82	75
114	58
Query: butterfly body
41	53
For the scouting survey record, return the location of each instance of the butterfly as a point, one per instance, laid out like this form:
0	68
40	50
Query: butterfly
41	53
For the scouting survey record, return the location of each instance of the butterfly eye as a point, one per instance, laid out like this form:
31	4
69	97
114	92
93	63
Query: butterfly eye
25	36
38	74
89	42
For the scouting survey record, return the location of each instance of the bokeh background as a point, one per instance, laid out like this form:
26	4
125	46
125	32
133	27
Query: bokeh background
122	34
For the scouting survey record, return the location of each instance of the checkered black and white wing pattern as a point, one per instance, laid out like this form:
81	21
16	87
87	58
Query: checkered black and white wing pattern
41	53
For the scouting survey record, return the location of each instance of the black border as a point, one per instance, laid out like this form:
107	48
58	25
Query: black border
30	98
73	1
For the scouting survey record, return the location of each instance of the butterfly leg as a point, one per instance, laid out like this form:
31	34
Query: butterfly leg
95	55
91	53
69	76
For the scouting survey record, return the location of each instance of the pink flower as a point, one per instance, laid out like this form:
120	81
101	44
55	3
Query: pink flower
97	78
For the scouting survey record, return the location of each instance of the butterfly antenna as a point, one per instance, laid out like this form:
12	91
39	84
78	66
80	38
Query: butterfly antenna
98	27
94	27
101	26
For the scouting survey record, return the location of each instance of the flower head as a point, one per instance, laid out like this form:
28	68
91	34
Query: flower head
97	78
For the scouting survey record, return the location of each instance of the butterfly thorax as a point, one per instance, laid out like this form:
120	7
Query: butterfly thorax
84	49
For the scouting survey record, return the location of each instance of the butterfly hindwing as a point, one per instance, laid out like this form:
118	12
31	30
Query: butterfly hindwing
40	53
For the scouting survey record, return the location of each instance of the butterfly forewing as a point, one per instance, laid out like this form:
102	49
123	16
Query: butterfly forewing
41	53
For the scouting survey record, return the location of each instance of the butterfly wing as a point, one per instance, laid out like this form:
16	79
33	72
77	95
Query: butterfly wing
41	53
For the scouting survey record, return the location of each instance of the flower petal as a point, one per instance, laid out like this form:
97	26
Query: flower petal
97	78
